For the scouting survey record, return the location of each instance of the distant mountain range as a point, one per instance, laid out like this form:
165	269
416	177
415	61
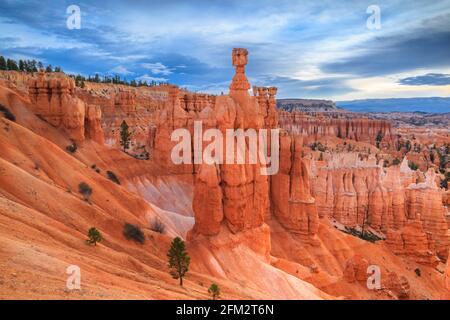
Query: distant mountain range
431	105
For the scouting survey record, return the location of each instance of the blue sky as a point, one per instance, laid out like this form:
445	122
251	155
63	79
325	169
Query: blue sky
309	49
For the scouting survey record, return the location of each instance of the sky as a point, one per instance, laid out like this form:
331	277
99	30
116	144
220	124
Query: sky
308	49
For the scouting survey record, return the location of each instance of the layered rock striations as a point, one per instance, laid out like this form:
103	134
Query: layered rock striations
360	193
237	193
350	190
425	205
343	126
292	202
54	100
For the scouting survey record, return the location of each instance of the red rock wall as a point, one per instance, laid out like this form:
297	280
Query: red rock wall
292	202
358	129
53	99
410	215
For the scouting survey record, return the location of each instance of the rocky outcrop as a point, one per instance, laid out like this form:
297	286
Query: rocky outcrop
396	200
125	100
356	269
425	205
397	286
93	124
407	175
341	126
447	275
351	191
54	99
267	104
180	112
413	242
359	192
207	203
292	202
236	195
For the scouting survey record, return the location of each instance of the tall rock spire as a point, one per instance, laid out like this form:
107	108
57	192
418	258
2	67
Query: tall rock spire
239	82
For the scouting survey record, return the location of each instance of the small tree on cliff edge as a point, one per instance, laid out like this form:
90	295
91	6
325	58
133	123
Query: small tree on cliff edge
2	63
214	291
178	259
124	136
94	236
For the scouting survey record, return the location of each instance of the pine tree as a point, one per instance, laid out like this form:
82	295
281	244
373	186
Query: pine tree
12	65
214	291
124	136
26	65
178	259
2	63
94	236
49	68
378	139
21	65
33	66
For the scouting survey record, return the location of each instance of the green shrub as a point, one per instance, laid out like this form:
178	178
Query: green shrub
94	236
396	161
133	232
418	272
317	145
112	177
432	158
413	166
157	226
85	190
366	235
7	113
72	148
378	139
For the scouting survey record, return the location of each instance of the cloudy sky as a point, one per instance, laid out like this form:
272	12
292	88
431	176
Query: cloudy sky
309	49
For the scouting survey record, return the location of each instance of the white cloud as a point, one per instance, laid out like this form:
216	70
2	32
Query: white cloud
148	78
121	70
157	68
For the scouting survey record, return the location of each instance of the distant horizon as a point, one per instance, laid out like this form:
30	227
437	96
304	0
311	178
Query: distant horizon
425	97
415	104
430	105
